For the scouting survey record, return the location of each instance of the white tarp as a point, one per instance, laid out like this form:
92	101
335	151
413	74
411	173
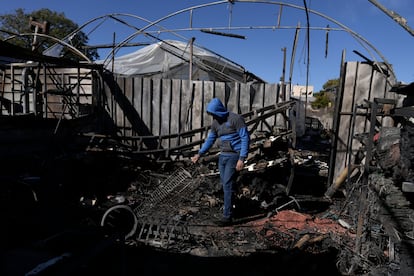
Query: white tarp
170	59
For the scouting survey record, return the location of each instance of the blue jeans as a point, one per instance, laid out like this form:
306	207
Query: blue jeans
227	167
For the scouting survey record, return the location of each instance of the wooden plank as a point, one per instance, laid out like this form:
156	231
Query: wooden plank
270	97
197	105
165	114
156	103
245	98
176	110
233	97
219	91
209	93
147	104
119	112
129	94
186	99
137	103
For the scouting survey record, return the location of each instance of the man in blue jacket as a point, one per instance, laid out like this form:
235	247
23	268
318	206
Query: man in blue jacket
233	140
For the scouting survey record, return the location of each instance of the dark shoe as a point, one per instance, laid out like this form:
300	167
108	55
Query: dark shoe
224	222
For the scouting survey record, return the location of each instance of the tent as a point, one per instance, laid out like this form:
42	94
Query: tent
170	59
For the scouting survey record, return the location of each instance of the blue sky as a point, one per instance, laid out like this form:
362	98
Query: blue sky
261	50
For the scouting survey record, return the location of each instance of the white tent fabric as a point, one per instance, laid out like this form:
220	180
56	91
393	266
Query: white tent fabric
171	59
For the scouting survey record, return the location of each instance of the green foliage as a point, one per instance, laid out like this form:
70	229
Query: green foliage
326	97
330	84
59	27
321	100
13	24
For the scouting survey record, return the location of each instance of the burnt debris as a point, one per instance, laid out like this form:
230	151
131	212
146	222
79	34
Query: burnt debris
79	198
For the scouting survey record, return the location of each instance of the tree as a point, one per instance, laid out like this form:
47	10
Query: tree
325	97
331	84
321	100
58	26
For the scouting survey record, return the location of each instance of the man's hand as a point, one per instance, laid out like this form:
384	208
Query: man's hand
239	165
195	158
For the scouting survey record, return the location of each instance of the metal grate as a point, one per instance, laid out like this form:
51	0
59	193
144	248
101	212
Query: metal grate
173	187
162	234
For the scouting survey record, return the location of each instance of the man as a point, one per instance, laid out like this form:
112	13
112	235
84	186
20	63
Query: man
233	140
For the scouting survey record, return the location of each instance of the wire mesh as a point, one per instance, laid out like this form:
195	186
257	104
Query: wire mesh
169	190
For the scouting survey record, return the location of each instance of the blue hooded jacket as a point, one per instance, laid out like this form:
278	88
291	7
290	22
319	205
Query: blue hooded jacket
229	128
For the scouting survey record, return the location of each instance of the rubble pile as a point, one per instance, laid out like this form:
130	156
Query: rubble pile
101	202
126	203
379	211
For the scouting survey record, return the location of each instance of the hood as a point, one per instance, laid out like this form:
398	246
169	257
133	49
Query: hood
216	107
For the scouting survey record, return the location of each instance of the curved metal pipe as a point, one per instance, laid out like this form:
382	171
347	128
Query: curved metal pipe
71	48
116	218
356	36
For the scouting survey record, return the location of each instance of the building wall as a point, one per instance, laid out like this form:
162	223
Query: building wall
299	91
